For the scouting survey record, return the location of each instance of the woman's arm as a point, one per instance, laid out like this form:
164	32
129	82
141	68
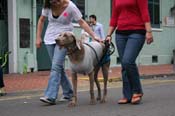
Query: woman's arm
143	7
113	21
110	32
149	36
39	31
87	29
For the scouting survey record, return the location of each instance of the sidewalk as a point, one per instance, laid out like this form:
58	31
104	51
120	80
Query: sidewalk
38	80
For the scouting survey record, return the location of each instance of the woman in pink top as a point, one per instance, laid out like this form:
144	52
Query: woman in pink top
131	22
60	15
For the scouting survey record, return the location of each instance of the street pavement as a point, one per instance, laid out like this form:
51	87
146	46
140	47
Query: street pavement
39	80
158	100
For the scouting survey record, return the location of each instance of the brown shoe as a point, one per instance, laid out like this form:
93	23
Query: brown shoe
123	101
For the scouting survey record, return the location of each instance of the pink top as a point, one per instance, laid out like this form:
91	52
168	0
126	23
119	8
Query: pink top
129	14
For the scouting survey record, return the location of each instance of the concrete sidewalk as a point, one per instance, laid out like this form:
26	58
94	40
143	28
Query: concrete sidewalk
38	80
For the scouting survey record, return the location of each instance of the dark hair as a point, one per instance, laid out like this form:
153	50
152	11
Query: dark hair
47	4
93	16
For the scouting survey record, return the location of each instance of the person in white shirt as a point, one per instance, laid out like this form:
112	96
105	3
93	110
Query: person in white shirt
60	14
96	27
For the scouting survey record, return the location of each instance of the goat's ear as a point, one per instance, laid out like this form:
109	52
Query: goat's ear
78	42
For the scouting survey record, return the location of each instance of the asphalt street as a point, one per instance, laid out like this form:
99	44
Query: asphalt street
158	100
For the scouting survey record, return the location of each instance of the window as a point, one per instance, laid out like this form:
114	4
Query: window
3	10
172	11
81	5
39	2
154	10
118	61
155	59
24	26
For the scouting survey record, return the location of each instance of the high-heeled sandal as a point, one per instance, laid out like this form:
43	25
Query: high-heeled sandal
136	98
123	101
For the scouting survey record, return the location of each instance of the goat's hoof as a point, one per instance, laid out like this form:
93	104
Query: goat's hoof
103	101
72	104
98	99
92	102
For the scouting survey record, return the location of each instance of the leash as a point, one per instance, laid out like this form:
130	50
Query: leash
110	46
94	51
108	50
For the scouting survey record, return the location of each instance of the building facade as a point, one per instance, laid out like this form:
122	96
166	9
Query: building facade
18	21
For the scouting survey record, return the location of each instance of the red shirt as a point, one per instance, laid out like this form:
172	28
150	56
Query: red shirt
129	14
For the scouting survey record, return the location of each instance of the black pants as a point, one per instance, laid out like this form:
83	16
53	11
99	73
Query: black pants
1	78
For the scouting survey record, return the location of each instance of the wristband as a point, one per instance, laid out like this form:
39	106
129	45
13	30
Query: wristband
149	31
108	36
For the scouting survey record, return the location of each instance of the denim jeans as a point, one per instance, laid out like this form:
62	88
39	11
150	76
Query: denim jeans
129	47
1	78
57	75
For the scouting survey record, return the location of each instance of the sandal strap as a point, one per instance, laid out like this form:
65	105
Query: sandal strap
123	101
137	95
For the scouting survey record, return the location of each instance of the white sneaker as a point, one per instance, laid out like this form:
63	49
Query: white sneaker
48	100
64	99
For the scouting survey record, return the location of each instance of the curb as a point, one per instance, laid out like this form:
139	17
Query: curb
114	79
156	76
143	76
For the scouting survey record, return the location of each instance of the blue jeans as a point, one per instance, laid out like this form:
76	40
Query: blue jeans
129	47
57	75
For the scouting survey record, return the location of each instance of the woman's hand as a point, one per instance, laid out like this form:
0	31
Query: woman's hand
38	42
149	37
87	29
109	34
108	38
97	39
39	31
